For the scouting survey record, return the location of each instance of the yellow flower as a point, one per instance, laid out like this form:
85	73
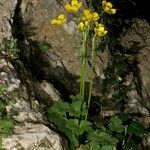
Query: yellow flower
73	6
108	7
95	16
87	15
60	20
83	25
100	30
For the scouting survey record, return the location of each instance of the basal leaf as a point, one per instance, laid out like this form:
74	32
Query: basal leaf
136	128
123	117
103	138
75	109
72	139
116	125
57	119
108	147
60	107
83	127
72	124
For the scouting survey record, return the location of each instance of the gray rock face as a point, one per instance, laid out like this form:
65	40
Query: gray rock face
62	60
33	136
138	35
60	65
7	8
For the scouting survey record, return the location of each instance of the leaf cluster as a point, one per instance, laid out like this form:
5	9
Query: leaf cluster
69	118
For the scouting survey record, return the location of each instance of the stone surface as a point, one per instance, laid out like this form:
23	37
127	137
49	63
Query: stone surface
31	133
46	91
7	8
139	35
33	136
61	63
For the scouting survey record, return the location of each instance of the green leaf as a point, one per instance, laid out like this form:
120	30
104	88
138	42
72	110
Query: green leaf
136	128
103	138
94	145
83	127
116	125
120	136
72	97
44	47
60	107
72	124
57	119
75	109
6	126
72	139
75	97
108	147
124	117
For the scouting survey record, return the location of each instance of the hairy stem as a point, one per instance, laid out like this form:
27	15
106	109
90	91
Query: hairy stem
83	66
91	74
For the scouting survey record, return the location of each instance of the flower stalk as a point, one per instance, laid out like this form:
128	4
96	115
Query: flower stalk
91	74
83	65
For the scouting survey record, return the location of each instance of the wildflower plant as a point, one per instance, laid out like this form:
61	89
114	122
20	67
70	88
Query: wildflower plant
72	118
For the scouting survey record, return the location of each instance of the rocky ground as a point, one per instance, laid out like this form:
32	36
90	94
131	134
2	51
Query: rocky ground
37	79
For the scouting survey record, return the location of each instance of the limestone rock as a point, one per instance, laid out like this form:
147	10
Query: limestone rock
61	63
33	136
46	91
6	13
138	36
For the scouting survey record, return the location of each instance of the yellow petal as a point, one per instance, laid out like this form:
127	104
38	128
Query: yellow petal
109	4
79	4
86	12
101	29
113	11
104	2
81	26
68	7
95	16
74	2
55	22
105	32
86	23
100	25
107	9
95	29
61	17
74	8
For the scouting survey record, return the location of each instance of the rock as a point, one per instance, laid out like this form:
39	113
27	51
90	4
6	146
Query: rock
6	13
138	37
46	91
33	136
27	110
27	113
61	63
8	77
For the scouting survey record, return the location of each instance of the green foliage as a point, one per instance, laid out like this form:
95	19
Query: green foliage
116	125
66	116
10	47
6	121
44	47
136	128
6	127
69	118
72	118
